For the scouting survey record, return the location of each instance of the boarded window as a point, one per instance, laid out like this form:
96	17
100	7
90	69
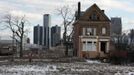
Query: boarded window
89	46
84	31
84	46
103	30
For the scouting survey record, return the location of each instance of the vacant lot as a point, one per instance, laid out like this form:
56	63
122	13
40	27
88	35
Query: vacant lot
75	68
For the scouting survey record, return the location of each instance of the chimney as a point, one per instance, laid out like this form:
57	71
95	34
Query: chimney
103	11
79	10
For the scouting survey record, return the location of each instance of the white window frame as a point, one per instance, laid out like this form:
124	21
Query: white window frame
84	31
94	32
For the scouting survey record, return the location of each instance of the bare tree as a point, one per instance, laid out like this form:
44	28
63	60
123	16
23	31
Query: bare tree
131	35
17	26
120	42
67	17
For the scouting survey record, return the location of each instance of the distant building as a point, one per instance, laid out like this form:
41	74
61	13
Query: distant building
38	35
28	40
46	31
116	26
55	35
32	46
42	35
7	47
91	38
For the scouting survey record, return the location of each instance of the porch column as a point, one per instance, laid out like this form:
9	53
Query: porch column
80	45
86	45
92	46
98	45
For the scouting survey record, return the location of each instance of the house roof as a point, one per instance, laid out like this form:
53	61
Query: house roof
89	12
94	6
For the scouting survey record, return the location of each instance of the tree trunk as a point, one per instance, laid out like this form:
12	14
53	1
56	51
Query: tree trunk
21	40
21	47
65	41
65	35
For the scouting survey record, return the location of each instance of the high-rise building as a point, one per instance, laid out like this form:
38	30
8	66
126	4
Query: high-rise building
55	35
38	34
116	26
46	31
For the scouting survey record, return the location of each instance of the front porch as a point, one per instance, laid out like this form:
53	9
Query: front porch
94	46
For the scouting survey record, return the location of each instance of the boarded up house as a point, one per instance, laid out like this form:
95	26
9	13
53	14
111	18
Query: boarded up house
91	33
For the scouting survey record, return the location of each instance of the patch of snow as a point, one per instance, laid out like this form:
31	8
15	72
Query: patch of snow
4	61
80	70
67	69
128	73
93	61
131	73
118	73
27	69
33	68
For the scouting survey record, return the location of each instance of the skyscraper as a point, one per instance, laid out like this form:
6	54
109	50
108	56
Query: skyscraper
46	31
38	34
55	35
116	26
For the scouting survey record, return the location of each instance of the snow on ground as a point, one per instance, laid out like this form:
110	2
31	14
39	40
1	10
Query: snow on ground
93	61
26	69
3	61
80	68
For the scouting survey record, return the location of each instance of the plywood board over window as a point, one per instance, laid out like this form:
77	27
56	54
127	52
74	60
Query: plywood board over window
103	30
84	31
84	46
89	46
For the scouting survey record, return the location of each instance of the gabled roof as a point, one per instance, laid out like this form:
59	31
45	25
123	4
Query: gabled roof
96	8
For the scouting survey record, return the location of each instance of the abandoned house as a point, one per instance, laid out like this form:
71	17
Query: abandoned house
91	36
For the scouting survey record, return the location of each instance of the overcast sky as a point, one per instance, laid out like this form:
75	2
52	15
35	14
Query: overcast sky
34	10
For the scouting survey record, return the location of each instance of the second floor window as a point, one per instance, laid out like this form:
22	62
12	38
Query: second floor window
103	30
89	31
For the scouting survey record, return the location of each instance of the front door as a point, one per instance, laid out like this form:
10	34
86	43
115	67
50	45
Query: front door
103	46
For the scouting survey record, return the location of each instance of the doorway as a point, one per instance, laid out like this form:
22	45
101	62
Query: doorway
103	46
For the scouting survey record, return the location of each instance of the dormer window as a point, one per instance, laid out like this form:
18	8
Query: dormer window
94	17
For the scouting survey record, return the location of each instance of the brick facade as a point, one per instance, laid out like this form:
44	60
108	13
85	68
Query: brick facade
93	30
